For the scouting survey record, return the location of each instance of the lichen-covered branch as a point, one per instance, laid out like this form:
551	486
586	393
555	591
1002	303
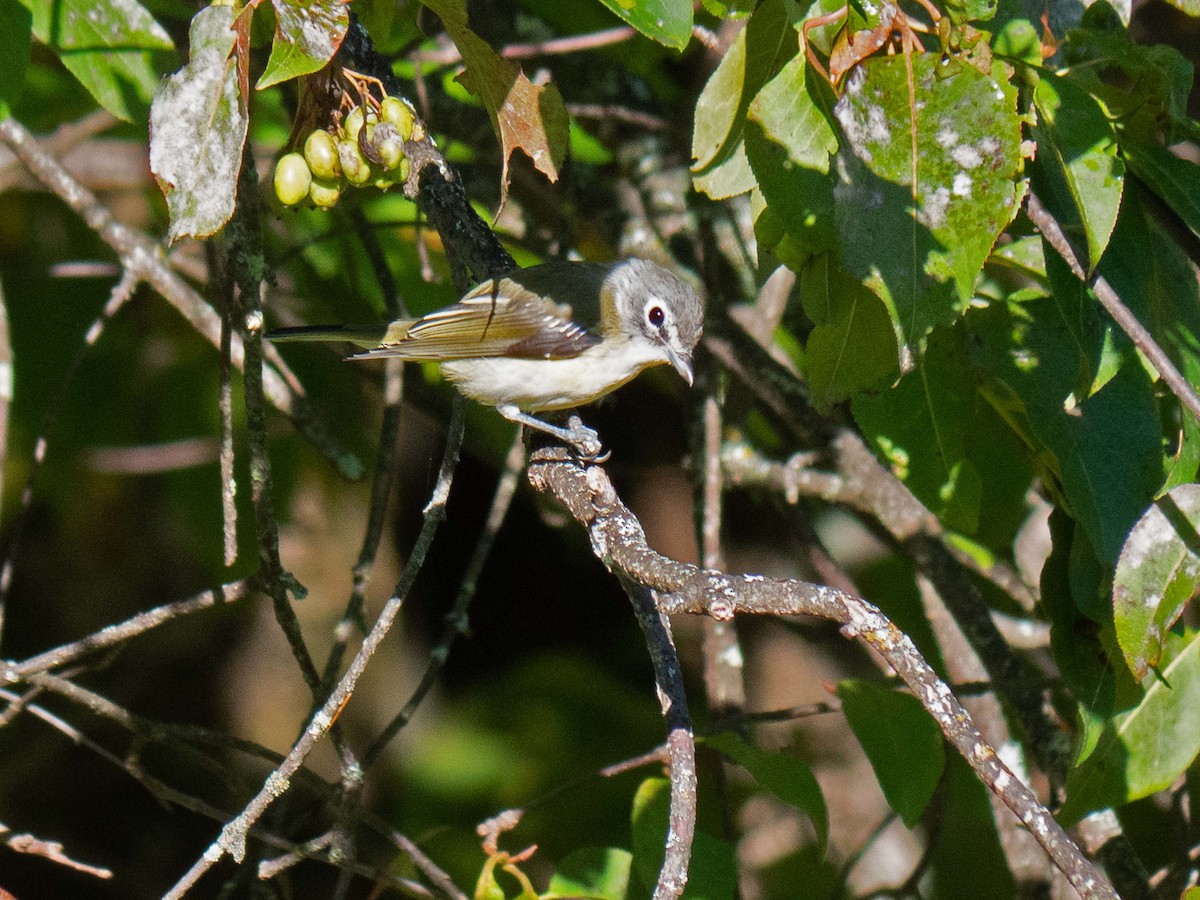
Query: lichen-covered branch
619	542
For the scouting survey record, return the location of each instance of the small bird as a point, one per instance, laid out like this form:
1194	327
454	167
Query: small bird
549	337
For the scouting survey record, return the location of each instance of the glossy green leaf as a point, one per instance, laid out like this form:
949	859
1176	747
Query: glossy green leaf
1175	180
16	25
712	872
1081	175
750	61
106	44
593	872
667	21
852	348
789	143
198	125
1157	575
307	34
916	227
787	777
1145	749
902	742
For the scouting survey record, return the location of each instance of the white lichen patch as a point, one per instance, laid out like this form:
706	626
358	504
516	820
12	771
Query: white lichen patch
965	156
933	212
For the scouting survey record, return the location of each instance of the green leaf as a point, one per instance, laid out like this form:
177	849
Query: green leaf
1100	346
789	143
965	857
593	872
852	348
902	742
106	44
198	125
667	21
1143	750
747	65
1157	575
920	246
1191	7
1104	449
1156	280
16	25
1078	173
307	34
1175	180
787	777
712	872
926	429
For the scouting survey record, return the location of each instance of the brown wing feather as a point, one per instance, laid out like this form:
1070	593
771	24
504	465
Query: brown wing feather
501	318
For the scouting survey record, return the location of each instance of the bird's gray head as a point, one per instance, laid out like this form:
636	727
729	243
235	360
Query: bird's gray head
657	305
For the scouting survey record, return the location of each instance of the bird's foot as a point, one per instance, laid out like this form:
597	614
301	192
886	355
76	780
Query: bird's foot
584	441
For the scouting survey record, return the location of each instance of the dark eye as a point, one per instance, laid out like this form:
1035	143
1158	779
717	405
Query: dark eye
655	315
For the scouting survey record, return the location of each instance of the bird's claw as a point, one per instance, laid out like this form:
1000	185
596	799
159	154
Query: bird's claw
586	441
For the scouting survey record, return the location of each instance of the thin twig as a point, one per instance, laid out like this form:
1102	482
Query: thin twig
681	741
232	840
51	850
112	635
449	54
457	618
1121	314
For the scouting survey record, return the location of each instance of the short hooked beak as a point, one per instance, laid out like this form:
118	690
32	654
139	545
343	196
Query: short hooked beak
682	364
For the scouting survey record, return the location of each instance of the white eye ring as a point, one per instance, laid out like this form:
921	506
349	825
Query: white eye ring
655	314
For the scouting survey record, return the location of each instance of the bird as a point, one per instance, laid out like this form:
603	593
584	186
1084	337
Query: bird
548	337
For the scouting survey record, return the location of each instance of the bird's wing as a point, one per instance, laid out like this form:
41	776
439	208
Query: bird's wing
498	318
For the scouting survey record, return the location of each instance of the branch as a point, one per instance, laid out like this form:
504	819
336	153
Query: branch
619	542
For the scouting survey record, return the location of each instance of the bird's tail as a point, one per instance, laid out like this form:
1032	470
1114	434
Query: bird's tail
365	336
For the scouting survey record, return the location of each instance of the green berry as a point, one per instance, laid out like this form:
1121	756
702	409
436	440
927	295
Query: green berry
353	123
391	152
397	113
292	178
324	192
356	169
321	153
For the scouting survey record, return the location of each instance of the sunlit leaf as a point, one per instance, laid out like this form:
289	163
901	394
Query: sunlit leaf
198	125
922	201
667	21
1157	575
1080	174
307	34
1143	750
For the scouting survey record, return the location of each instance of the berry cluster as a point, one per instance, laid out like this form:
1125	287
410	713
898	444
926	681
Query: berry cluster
367	147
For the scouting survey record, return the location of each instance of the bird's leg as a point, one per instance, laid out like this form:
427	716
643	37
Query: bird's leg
585	440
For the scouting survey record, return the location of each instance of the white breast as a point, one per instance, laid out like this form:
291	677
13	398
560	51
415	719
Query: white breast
545	384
